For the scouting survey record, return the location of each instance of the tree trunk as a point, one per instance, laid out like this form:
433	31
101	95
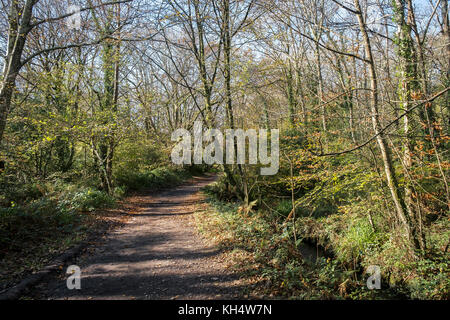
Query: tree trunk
446	38
19	27
408	85
391	178
230	117
320	89
290	93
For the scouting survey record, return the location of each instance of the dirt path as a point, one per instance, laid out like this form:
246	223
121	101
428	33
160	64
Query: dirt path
156	255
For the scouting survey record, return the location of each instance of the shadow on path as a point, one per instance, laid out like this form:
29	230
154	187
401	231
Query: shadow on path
156	255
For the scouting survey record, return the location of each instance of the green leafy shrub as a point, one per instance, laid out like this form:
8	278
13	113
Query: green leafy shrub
152	179
138	155
433	278
87	199
13	190
284	207
358	240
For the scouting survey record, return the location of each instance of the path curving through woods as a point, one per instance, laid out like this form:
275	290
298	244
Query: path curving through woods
156	255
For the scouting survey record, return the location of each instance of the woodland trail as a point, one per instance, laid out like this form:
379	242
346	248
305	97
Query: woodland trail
156	255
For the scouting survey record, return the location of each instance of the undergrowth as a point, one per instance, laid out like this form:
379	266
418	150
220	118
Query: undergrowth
263	247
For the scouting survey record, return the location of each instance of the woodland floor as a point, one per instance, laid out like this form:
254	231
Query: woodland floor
157	254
